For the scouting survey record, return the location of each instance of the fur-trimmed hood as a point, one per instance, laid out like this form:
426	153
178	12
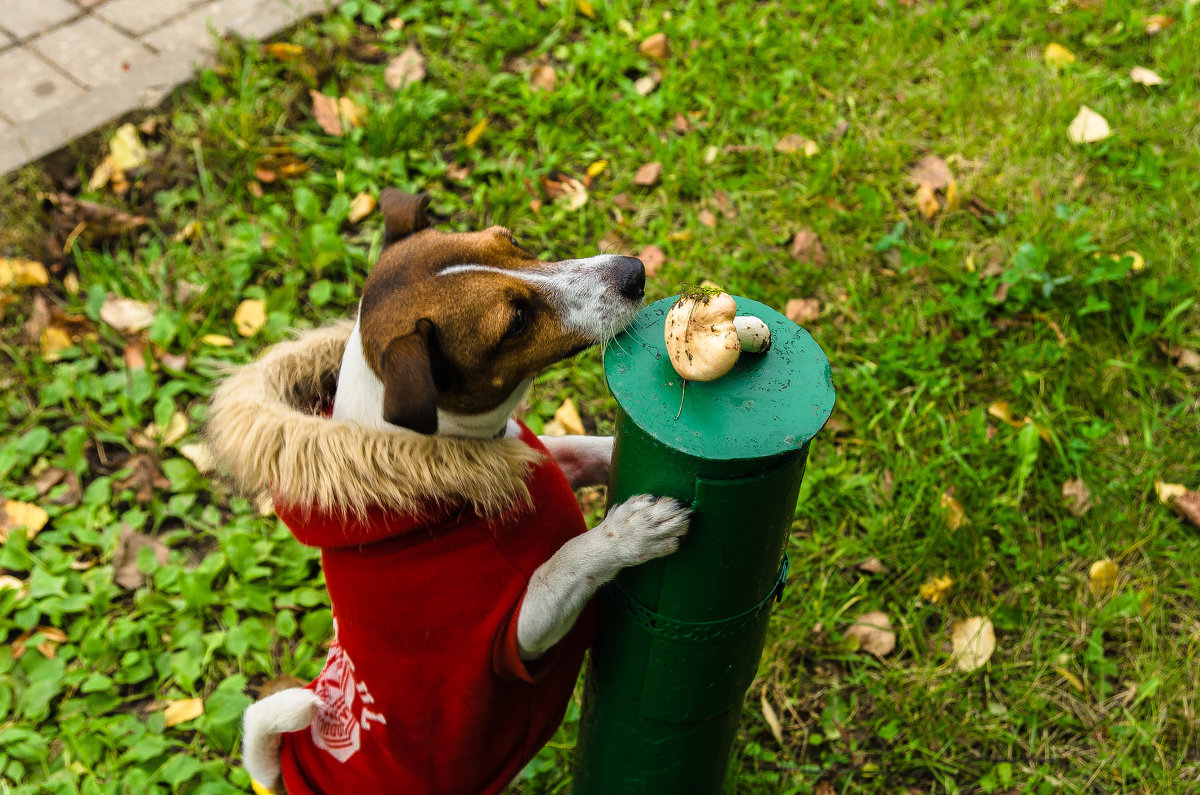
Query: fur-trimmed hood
266	427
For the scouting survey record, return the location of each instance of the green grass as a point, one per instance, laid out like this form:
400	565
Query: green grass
919	342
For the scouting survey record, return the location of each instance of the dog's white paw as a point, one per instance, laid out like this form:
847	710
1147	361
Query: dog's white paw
645	527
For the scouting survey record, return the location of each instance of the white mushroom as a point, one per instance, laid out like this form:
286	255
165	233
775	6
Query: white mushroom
704	337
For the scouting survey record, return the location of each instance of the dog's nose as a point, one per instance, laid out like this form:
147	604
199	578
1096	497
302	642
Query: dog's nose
630	278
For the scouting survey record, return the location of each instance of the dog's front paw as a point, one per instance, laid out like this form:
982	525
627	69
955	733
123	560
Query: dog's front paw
645	527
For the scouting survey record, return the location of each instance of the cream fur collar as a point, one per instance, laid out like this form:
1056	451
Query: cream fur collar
264	428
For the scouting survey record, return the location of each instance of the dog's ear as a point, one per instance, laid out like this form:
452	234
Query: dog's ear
403	214
409	391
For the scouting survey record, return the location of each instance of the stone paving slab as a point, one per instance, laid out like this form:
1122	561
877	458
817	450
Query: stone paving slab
70	66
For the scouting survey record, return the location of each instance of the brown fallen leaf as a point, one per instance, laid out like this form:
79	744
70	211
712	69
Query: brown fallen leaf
144	477
806	247
21	516
565	190
648	175
933	171
405	69
1078	497
803	310
707	218
543	77
125	560
1187	505
48	480
458	173
91	223
653	258
655	47
183	710
1157	23
956	517
872	566
974	640
1102	578
874	634
335	115
134	354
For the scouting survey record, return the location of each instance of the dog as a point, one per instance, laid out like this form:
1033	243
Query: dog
461	577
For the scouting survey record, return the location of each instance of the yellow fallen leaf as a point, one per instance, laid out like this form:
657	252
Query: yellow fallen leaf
284	51
1167	492
956	517
973	640
251	315
936	589
54	341
927	202
476	132
952	197
361	206
1102	578
597	168
20	272
200	456
1139	262
1071	678
126	147
22	515
586	8
1087	127
183	710
1057	55
568	416
217	340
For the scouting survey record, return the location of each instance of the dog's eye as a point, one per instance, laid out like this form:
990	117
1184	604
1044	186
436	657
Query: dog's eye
518	324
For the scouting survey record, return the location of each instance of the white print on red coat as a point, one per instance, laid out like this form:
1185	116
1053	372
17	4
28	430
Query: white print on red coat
336	729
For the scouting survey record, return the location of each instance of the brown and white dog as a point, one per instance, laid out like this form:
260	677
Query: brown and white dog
451	331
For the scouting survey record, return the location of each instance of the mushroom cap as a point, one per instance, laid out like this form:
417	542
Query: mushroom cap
701	339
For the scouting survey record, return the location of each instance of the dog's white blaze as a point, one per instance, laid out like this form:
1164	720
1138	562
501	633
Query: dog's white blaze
576	288
359	396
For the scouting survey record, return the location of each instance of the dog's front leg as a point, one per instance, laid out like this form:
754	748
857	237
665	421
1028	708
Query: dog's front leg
584	460
636	531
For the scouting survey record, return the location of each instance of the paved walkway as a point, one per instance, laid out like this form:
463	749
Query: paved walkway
69	66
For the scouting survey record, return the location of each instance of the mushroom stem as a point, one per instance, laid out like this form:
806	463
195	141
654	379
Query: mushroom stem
752	333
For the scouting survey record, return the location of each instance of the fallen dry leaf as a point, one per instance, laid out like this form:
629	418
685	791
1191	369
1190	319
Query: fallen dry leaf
177	428
17	515
1087	127
874	634
405	69
646	84
183	710
1157	23
1144	76
707	218
125	560
956	517
803	310
933	171
200	456
927	201
543	77
974	640
1078	497
568	415
457	173
1168	492
476	132
144	477
569	192
335	115
11	583
655	47
794	142
91	223
806	247
48	480
586	8
127	149
1073	680
127	315
872	566
771	717
54	341
653	258
648	175
936	589
1102	578
250	316
361	206
19	272
1057	56
284	51
217	340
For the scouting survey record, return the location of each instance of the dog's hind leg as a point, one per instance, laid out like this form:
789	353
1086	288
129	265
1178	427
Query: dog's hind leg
286	711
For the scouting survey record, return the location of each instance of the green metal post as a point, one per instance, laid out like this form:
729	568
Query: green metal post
680	637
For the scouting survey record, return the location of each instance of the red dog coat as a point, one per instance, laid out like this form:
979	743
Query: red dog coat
423	691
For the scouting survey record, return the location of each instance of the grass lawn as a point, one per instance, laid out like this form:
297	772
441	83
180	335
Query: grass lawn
948	328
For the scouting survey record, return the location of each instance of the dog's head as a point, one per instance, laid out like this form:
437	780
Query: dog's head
460	321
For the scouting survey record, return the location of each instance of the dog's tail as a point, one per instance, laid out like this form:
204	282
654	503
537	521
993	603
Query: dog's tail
286	711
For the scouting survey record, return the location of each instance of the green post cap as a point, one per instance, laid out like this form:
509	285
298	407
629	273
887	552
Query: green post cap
770	404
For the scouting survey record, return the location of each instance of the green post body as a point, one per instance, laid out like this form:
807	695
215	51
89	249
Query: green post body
680	637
